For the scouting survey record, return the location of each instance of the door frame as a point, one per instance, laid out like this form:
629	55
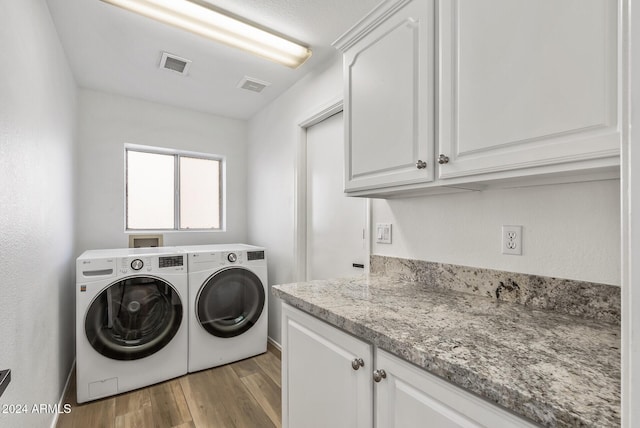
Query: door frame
314	117
630	201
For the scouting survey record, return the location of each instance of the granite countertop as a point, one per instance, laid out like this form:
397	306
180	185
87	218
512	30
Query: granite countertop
553	368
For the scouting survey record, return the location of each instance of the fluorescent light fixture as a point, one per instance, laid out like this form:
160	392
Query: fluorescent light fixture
219	27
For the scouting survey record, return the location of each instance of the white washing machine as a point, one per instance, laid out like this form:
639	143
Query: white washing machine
131	319
228	303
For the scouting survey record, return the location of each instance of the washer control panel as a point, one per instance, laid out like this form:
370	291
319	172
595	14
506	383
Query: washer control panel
170	261
140	264
137	264
128	265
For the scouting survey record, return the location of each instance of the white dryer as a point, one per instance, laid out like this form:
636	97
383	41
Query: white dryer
131	319
228	303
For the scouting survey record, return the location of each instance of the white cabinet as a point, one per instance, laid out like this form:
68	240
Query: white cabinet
527	83
410	397
524	89
389	99
321	388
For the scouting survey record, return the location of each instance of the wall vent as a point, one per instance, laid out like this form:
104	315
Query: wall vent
252	84
145	241
175	63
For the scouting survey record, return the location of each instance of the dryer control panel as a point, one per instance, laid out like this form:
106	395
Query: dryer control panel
255	255
242	257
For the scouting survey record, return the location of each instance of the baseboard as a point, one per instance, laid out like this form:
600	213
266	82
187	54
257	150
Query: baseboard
54	422
274	343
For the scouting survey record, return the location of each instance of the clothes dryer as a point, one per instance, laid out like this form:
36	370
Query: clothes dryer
228	304
131	319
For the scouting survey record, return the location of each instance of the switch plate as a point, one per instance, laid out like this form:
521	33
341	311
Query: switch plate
512	240
383	233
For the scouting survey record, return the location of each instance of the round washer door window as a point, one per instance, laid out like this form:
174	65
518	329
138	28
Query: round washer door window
133	318
230	302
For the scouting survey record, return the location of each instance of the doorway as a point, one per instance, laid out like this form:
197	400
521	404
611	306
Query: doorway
332	236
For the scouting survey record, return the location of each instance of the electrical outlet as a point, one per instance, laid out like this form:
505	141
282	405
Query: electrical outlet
512	240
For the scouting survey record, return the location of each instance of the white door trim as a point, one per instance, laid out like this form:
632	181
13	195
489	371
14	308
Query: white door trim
316	116
630	199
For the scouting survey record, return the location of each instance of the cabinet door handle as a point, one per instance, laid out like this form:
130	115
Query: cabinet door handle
357	363
442	159
421	164
378	375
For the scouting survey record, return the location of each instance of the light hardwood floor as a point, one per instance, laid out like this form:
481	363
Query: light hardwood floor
242	394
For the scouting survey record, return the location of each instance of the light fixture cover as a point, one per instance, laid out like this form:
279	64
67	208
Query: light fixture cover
219	27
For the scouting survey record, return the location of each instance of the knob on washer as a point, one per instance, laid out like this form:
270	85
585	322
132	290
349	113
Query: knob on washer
137	264
232	257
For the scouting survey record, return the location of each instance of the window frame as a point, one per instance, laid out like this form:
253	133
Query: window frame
177	154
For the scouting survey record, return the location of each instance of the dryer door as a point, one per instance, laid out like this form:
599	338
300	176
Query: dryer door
230	302
133	318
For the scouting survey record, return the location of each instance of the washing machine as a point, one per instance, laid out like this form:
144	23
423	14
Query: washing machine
131	319
228	304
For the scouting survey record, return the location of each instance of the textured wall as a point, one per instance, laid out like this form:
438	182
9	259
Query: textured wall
107	122
37	123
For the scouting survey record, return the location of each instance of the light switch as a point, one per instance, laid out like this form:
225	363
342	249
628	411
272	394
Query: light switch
383	233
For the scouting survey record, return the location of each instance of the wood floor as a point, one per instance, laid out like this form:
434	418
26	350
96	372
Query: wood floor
242	394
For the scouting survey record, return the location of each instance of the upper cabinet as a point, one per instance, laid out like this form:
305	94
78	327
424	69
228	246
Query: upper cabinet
389	96
523	89
526	83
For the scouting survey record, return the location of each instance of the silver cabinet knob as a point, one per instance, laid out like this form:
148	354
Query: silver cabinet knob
442	159
378	375
357	363
421	164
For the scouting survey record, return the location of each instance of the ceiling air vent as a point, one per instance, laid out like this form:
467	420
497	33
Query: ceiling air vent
252	84
175	63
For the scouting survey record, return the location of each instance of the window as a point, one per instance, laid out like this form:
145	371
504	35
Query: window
172	190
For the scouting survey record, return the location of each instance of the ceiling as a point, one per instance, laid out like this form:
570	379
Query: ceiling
113	50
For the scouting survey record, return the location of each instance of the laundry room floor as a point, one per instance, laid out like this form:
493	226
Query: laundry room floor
242	394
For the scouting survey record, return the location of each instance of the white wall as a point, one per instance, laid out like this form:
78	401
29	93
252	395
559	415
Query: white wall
107	122
273	136
569	231
37	123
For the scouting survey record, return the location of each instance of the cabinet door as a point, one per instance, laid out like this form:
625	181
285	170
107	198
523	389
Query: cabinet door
320	387
410	397
527	83
389	98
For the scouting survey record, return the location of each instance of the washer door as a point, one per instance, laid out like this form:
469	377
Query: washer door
133	318
230	302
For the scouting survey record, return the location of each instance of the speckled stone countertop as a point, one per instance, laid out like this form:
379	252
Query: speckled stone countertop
553	368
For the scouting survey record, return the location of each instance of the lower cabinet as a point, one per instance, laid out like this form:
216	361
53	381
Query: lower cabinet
332	379
407	396
326	375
